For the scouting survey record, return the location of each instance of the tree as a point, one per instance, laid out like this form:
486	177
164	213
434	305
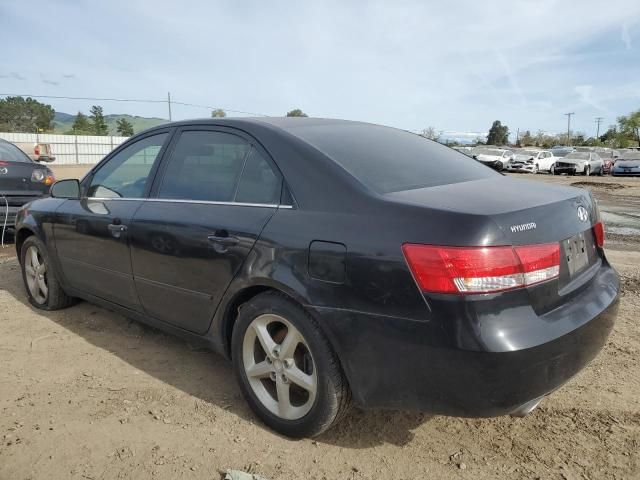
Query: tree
527	140
18	114
124	127
296	113
498	134
81	125
431	134
630	126
218	113
98	125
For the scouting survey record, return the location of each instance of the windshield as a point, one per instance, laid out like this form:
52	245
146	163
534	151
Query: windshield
11	153
630	156
578	156
390	160
528	153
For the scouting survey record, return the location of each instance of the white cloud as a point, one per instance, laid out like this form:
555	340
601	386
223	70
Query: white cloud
457	65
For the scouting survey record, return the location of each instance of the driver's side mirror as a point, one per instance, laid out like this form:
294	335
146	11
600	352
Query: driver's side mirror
66	189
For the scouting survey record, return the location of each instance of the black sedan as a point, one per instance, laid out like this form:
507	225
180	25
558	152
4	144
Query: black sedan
627	165
334	263
21	180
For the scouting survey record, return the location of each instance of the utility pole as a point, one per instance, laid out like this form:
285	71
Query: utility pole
169	104
569	127
598	121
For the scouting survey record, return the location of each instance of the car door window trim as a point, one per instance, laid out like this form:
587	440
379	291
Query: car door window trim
205	202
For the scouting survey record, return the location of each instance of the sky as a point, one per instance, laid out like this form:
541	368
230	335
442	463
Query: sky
456	65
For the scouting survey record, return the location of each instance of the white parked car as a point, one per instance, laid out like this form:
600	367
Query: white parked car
532	161
586	163
496	158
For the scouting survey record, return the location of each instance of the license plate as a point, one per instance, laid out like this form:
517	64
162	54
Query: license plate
575	250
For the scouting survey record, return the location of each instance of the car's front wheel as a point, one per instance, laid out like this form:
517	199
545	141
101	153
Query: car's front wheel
43	287
286	368
587	170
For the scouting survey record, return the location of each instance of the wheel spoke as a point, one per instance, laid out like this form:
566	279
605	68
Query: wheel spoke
29	270
284	401
259	370
35	263
301	379
289	344
264	337
42	269
42	285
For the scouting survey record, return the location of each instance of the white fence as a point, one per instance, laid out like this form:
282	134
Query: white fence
70	149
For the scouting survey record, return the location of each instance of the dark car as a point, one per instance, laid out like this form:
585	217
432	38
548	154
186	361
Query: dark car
627	165
21	180
332	262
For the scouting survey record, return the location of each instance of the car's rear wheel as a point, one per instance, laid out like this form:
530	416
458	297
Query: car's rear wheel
587	170
286	368
536	168
43	287
552	169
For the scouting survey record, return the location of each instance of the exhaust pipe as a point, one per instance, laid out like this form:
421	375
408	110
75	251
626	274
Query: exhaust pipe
526	408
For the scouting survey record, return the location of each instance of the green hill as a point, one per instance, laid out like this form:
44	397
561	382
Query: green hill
63	122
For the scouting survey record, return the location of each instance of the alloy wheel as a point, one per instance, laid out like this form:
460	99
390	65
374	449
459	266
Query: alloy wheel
36	274
279	366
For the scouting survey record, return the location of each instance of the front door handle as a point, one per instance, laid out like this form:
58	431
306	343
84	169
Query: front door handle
117	230
224	241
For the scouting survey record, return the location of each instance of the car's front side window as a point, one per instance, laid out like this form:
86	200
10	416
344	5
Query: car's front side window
125	174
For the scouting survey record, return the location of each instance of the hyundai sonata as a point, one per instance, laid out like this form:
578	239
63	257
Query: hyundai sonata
334	263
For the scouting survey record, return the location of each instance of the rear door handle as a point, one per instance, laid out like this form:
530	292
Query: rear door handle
117	230
225	241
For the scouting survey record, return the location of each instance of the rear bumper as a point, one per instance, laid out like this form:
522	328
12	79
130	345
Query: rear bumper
479	364
10	215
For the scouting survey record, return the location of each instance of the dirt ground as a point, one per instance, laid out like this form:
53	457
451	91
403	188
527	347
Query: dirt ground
88	394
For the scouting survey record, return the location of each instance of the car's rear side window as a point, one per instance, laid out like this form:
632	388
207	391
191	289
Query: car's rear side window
205	165
259	182
390	160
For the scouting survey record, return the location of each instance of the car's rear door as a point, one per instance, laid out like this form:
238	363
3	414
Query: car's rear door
214	193
92	234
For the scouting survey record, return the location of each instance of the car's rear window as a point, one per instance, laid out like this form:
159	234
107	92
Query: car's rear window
11	153
390	160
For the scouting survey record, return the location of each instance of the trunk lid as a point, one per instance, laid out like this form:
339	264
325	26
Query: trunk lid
526	213
16	178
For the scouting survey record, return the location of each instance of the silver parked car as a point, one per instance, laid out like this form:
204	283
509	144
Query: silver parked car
532	161
586	163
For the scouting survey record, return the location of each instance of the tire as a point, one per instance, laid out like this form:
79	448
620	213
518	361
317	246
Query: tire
264	376
40	278
552	169
587	170
536	168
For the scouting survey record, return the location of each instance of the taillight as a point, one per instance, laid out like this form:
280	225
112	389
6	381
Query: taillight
598	231
3	163
36	150
469	270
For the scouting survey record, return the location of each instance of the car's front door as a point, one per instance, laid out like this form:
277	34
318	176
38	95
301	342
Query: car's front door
91	234
214	193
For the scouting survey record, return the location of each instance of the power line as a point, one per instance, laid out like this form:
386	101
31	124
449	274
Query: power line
169	101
